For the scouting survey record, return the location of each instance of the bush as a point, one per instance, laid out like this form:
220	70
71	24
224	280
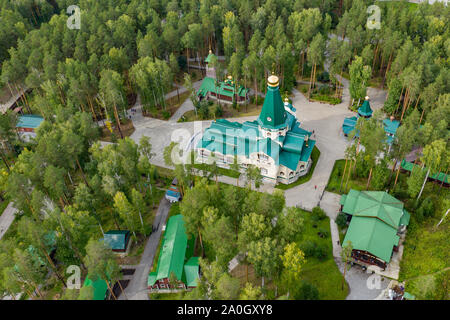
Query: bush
166	114
218	111
324	89
320	251
341	220
426	208
312	249
308	248
203	109
323	77
323	233
318	214
306	291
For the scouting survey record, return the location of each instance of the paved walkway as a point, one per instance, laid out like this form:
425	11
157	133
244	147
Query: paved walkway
137	287
7	218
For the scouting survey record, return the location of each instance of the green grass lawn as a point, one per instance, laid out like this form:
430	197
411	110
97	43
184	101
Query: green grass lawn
324	274
336	177
315	157
315	96
426	254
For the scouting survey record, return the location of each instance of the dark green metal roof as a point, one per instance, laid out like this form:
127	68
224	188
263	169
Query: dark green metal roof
116	239
173	249
273	115
365	110
376	218
30	121
223	88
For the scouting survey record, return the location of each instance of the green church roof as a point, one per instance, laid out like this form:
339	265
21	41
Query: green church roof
273	114
224	88
365	110
210	55
376	218
372	235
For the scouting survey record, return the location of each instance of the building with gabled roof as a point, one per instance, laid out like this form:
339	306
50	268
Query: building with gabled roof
377	219
27	124
117	240
226	91
274	142
365	111
175	257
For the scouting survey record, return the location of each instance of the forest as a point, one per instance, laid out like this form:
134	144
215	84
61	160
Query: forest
68	188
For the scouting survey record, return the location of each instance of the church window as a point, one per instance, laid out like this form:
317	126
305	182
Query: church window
264	171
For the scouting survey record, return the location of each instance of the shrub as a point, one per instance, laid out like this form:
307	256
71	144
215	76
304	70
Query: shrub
320	251
324	89
341	220
308	248
323	77
324	233
218	111
426	208
318	213
306	291
166	114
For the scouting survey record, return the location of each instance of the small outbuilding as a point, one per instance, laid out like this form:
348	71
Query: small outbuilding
117	240
27	125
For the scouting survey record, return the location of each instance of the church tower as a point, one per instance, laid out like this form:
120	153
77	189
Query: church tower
272	120
210	70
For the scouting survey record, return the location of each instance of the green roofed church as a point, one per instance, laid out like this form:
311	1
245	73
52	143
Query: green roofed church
377	221
274	142
226	91
175	258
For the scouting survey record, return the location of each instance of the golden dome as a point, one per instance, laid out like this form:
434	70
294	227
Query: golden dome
273	81
230	77
286	99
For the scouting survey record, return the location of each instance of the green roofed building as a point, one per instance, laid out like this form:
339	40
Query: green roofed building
99	286
441	177
376	221
175	259
365	111
226	91
117	240
274	142
27	124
